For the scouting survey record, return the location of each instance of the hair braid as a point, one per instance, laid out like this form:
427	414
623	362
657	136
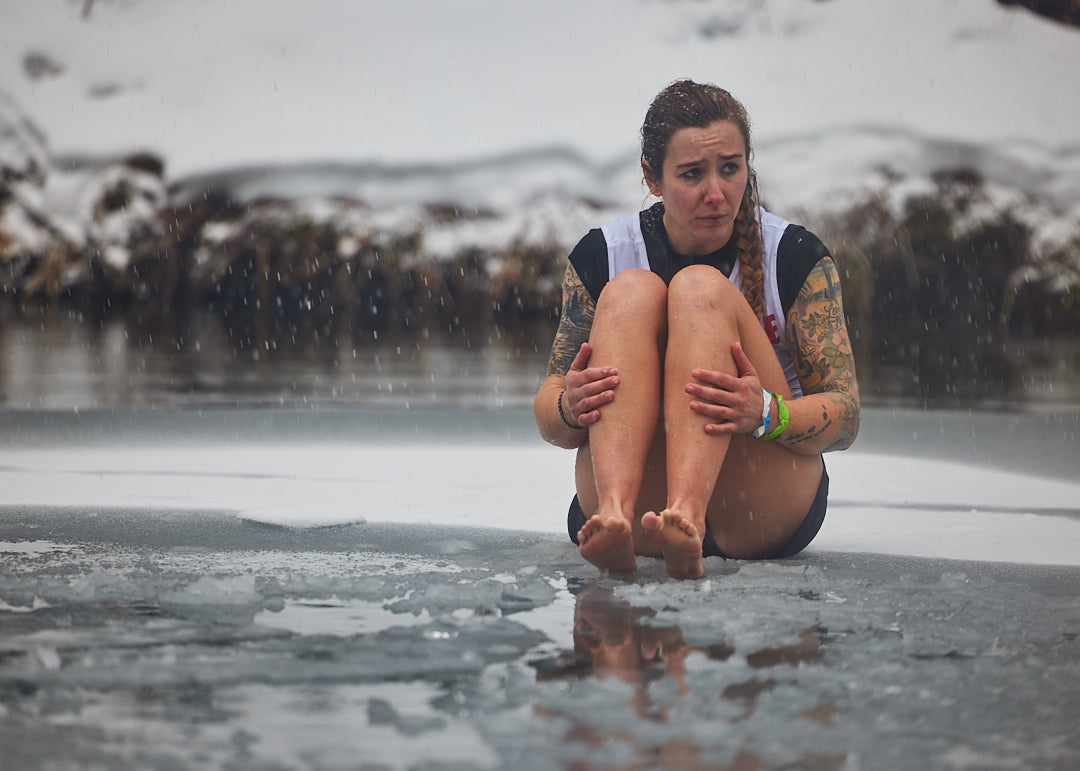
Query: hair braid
750	248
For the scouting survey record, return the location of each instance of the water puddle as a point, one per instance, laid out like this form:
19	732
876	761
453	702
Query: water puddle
34	547
338	618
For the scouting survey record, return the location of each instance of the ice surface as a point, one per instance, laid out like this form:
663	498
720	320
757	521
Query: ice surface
973	512
301	515
172	596
406	645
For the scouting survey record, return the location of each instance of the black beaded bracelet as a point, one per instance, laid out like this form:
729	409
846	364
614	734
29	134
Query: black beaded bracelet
563	414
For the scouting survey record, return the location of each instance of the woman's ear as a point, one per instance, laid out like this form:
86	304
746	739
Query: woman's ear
651	179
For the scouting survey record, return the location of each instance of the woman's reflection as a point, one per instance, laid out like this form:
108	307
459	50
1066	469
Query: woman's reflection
613	639
618	641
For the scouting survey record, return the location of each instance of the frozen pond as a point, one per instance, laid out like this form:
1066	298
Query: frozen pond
60	360
63	361
333	565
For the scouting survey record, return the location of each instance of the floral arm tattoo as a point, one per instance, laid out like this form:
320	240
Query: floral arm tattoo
824	362
574	324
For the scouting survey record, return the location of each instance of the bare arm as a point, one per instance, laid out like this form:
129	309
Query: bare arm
827	416
575	323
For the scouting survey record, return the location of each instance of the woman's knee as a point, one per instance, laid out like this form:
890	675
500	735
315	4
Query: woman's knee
696	285
634	291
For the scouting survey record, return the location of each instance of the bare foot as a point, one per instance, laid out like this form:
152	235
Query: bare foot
608	543
679	540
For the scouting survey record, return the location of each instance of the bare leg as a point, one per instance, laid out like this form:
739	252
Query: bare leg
627	333
702	327
707	315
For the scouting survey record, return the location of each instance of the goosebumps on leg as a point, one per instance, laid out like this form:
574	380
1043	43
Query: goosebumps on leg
608	543
680	541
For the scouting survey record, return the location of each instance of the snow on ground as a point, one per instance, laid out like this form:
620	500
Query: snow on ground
954	512
837	90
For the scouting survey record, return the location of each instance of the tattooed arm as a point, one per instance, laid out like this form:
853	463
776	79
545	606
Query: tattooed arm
827	416
575	323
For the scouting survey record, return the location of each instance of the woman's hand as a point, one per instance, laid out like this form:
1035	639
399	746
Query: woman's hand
733	404
588	389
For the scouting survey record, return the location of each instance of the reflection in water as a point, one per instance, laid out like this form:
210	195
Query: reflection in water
614	640
803	652
62	360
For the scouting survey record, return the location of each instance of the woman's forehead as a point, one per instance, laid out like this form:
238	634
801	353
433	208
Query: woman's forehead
722	137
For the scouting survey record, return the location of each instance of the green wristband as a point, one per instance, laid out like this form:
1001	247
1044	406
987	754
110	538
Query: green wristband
782	416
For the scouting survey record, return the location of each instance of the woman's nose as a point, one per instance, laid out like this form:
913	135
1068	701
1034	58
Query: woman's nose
713	191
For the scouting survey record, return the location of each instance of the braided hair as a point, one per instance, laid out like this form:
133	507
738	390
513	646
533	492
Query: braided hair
686	104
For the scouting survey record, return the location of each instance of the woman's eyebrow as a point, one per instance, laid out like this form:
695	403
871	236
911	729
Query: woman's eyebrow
699	161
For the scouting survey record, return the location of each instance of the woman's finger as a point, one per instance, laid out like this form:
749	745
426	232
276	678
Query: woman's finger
581	361
719	396
603	380
742	361
716	379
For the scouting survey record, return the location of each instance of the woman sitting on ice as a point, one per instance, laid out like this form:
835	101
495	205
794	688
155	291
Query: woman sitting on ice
702	362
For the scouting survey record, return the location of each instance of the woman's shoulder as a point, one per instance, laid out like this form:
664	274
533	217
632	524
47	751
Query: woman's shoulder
630	233
798	244
589	259
590	242
793	241
797	253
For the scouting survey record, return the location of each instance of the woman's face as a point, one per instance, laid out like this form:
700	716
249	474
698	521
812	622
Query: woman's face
702	185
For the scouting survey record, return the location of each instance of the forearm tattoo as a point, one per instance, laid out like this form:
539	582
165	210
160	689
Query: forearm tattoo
823	357
575	323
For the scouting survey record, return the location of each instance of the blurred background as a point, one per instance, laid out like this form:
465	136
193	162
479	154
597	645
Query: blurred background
256	202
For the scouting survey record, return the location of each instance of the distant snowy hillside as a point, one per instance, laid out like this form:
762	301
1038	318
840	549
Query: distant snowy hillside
480	127
838	90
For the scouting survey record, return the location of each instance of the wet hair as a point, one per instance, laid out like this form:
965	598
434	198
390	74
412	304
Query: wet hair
686	104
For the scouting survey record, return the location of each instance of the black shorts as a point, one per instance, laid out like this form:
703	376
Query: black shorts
809	528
